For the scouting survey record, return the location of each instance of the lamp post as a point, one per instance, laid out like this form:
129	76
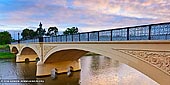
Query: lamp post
40	33
18	38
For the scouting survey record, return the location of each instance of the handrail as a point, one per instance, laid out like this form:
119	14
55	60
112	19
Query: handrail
160	31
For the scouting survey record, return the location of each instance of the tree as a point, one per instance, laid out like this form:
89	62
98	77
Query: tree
70	31
5	37
52	31
40	32
25	34
32	34
28	34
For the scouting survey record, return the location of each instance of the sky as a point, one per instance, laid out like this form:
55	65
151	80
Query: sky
87	15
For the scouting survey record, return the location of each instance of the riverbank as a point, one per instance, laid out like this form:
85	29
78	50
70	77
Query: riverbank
5	53
4	48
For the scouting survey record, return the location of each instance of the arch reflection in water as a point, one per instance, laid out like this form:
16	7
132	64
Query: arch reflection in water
100	70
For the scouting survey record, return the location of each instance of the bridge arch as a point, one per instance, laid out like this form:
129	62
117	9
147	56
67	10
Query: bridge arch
65	55
15	50
28	52
131	61
73	50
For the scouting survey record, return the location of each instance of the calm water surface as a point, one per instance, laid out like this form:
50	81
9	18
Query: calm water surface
96	70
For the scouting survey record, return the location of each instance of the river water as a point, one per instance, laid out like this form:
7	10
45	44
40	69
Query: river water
96	70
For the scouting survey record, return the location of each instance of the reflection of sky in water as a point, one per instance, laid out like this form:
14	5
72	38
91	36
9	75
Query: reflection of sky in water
7	70
12	70
103	71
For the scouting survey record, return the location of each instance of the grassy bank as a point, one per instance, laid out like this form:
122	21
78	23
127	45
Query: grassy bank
6	55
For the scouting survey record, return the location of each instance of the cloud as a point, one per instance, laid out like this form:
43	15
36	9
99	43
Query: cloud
85	14
129	8
2	25
31	27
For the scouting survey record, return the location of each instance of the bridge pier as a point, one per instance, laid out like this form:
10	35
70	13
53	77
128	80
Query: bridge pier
17	57
44	69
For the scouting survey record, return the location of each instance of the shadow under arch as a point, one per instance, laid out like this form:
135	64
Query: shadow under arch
65	55
28	51
15	50
73	51
62	53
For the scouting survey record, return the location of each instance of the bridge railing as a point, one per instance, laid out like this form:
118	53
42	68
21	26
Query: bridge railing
30	40
159	31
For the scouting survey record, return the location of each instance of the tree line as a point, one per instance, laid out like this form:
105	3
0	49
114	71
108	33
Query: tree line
51	31
5	38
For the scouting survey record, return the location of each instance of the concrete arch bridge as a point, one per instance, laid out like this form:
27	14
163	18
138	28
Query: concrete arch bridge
149	57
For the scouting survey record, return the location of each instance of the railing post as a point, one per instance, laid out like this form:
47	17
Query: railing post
79	36
18	39
149	36
127	33
66	38
72	37
40	39
98	35
88	36
111	35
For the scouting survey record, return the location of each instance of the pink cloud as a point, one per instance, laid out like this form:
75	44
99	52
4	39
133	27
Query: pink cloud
131	8
97	14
